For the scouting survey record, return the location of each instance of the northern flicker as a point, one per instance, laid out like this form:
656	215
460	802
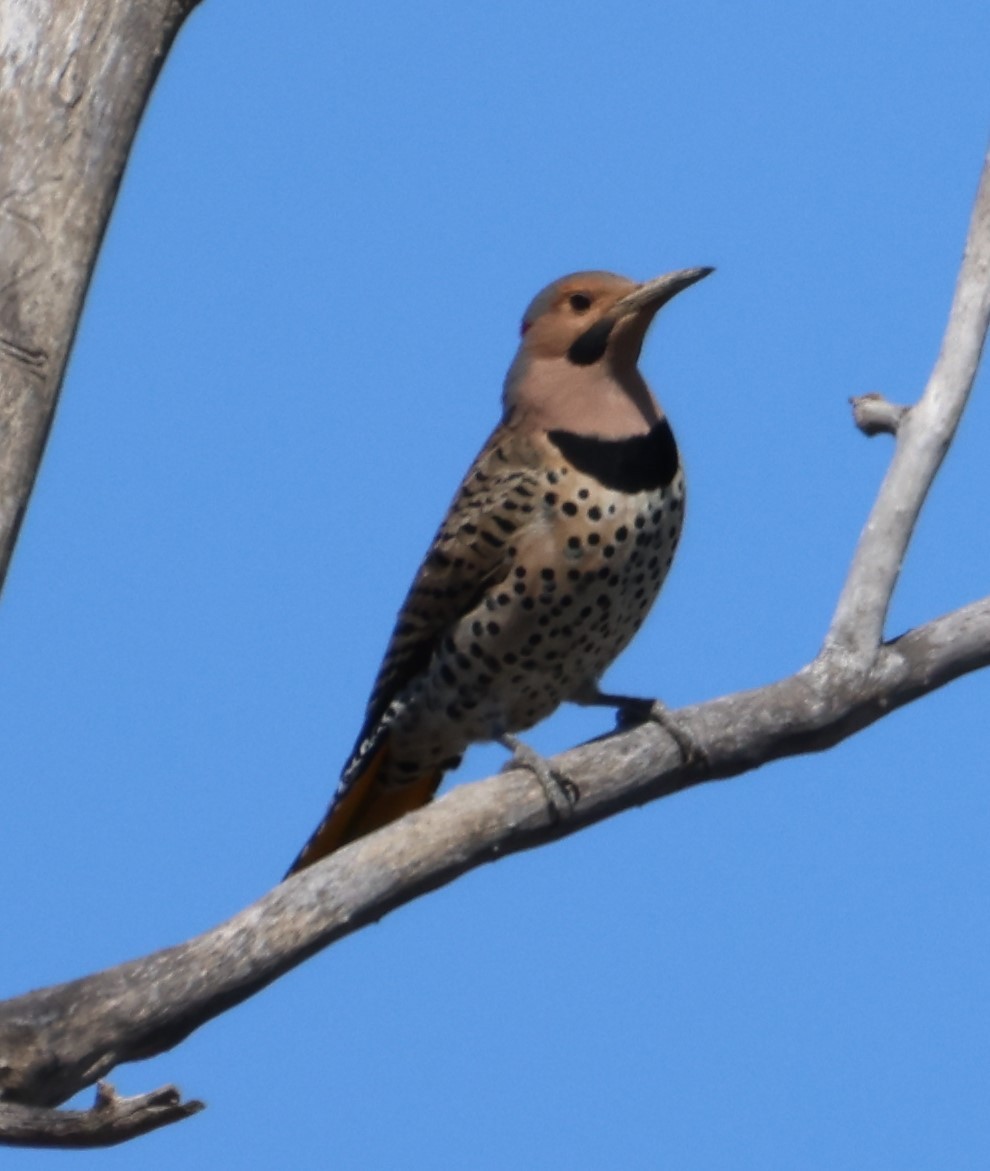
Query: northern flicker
552	552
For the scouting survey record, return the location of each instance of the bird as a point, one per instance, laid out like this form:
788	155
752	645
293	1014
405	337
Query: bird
552	551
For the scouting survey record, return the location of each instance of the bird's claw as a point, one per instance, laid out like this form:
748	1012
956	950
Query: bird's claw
638	711
561	793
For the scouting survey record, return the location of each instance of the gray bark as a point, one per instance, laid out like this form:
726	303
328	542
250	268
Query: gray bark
112	1120
74	78
91	73
57	1040
923	437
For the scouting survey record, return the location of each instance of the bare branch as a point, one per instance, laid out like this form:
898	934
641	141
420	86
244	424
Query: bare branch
923	437
74	79
112	1120
57	1040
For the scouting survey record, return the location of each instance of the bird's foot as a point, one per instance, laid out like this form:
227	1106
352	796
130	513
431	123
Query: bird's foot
560	791
631	711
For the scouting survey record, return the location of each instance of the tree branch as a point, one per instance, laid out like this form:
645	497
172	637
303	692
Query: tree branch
923	437
112	1120
75	76
57	1040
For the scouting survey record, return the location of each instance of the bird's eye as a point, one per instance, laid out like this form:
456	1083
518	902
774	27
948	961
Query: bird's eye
580	302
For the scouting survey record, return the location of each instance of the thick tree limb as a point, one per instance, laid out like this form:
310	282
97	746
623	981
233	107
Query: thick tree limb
94	66
74	78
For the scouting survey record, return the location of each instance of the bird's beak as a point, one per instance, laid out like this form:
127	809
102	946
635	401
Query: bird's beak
653	294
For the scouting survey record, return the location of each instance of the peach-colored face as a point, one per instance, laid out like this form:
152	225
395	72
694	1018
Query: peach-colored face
576	367
565	310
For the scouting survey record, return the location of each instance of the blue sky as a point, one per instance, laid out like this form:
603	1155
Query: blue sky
294	344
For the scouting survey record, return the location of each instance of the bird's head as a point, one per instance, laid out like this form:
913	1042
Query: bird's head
585	331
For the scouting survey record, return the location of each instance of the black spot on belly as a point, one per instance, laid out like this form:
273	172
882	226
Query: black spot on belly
641	463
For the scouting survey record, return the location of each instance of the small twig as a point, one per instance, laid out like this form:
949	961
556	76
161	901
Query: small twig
875	415
111	1120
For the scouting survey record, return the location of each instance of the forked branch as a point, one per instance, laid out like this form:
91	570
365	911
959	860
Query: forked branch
56	1041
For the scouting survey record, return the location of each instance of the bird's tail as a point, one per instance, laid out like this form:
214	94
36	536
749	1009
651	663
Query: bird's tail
363	805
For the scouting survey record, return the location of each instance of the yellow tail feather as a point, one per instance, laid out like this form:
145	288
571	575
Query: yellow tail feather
365	806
